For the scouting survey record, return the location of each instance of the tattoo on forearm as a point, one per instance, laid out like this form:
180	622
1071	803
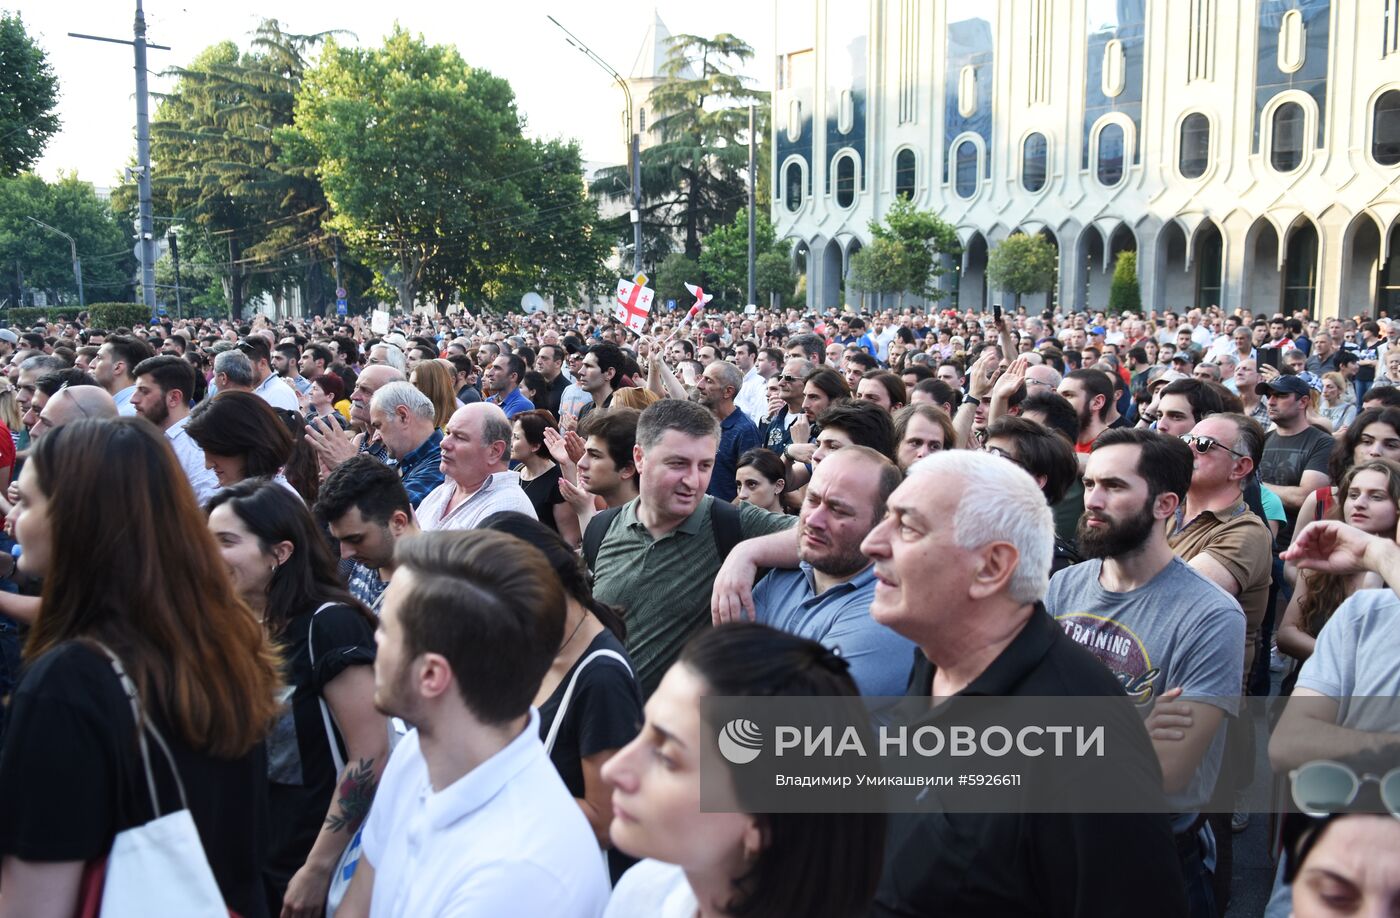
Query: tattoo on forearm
355	795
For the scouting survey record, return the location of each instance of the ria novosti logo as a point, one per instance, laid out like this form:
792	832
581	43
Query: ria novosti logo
740	741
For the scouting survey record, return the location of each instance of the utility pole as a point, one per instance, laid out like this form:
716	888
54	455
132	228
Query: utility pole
634	153
753	242
175	257
77	263
145	245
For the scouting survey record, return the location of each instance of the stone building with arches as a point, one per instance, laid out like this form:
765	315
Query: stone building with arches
1247	150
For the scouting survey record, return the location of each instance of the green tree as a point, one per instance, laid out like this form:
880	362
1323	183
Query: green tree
725	257
776	277
1124	293
32	258
694	178
218	165
28	97
925	240
1023	264
675	271
430	179
883	266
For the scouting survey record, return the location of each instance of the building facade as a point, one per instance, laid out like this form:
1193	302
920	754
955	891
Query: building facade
1247	150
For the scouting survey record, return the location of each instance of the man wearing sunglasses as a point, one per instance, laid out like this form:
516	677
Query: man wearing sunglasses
776	434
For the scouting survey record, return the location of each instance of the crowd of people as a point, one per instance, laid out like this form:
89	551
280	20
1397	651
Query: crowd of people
424	616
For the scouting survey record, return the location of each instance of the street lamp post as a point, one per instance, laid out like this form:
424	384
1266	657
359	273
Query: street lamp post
634	157
77	264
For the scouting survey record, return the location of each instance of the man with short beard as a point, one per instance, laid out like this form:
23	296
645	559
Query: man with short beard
1091	394
1164	629
828	598
162	396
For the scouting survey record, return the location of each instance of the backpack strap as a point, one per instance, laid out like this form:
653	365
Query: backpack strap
596	532
725	523
727	526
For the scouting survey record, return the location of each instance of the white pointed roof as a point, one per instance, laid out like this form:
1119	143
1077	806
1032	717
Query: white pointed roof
653	52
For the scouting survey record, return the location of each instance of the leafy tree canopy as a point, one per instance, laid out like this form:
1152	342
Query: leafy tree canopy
28	97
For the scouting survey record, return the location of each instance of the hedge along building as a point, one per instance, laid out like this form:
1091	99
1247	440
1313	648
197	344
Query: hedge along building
1248	150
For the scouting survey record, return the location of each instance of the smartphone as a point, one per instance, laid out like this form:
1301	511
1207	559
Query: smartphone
1268	357
996	312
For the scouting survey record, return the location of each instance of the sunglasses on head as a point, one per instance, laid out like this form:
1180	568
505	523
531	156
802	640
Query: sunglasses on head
1203	444
1325	787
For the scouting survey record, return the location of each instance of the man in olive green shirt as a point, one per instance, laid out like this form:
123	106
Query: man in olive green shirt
659	558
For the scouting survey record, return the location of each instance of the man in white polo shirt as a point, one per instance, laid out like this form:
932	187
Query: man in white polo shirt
471	818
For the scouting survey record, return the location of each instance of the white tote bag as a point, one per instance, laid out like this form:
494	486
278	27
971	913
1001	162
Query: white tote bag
158	869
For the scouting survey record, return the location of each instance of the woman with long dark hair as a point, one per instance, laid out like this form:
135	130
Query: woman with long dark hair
589	702
330	744
817	865
107	518
241	436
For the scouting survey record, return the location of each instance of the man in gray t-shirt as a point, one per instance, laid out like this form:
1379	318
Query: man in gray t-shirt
1178	630
1156	623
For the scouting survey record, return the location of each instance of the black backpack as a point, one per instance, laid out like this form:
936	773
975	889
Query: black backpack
725	525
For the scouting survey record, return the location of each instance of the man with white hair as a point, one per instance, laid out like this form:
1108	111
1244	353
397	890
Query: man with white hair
383	354
401	418
476	479
233	372
961	562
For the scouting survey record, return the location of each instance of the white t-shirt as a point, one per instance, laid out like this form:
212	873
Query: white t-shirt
652	889
278	393
505	839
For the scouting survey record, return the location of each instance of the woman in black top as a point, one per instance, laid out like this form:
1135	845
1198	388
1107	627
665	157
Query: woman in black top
604	708
329	745
539	475
107	518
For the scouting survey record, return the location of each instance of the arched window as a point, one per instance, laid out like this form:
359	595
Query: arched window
965	169
1385	130
845	181
1033	156
792	186
1195	146
1110	166
904	174
1286	144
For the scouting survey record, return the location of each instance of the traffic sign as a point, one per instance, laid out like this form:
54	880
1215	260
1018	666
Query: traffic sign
670	305
340	293
340	306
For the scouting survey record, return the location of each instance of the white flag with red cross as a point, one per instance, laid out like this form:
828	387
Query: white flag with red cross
634	302
701	298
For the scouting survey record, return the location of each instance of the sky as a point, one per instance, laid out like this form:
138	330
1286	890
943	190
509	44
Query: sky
558	90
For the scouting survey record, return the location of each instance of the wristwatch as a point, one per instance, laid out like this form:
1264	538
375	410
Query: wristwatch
971	400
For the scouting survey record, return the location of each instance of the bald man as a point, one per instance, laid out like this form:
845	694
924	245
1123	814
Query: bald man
73	404
333	446
477	481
